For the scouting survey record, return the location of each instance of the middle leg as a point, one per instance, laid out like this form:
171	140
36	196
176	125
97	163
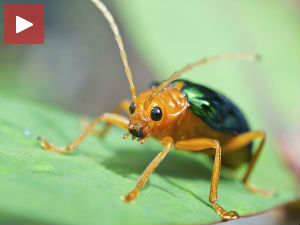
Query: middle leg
199	144
122	105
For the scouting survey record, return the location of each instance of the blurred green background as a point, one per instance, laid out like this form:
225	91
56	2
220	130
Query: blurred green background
79	67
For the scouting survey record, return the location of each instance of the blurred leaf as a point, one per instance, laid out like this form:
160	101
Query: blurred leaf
170	34
84	186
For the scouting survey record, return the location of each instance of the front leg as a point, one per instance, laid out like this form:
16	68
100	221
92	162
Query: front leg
168	143
199	144
111	118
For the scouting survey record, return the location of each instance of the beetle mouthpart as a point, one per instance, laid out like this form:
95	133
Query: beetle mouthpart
126	135
136	132
133	137
143	140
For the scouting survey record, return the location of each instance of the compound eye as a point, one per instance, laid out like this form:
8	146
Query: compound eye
131	108
156	114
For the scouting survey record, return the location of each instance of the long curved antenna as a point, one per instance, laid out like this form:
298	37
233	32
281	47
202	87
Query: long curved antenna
119	41
177	74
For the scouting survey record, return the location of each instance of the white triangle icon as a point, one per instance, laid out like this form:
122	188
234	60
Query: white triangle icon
22	24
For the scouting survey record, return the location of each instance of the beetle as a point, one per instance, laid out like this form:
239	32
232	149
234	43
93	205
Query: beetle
183	115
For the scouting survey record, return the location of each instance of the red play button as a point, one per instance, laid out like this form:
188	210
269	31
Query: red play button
23	23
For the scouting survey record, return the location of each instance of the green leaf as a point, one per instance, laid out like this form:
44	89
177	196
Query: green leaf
84	186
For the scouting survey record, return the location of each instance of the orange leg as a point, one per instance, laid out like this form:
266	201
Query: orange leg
168	143
123	105
111	118
199	144
243	140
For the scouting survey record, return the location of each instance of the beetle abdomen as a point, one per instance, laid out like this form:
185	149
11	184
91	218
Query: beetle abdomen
214	109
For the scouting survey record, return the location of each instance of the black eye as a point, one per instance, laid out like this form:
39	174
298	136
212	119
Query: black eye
131	108
156	113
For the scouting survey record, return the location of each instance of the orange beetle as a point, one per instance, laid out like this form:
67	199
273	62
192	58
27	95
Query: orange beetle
183	115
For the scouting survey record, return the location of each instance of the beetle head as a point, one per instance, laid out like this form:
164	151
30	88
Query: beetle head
151	117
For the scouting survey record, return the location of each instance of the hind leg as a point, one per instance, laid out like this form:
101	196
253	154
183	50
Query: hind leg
243	140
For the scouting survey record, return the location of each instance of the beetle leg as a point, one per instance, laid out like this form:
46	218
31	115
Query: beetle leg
111	118
123	105
199	144
243	140
168	143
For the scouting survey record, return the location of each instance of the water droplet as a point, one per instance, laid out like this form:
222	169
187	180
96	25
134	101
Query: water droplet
27	133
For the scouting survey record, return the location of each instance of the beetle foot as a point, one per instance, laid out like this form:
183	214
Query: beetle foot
231	215
50	147
131	196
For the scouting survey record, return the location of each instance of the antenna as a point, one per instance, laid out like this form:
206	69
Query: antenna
177	74
119	41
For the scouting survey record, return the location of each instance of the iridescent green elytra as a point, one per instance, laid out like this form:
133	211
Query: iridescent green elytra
215	109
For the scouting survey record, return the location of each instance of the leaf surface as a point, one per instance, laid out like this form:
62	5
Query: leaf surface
84	186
